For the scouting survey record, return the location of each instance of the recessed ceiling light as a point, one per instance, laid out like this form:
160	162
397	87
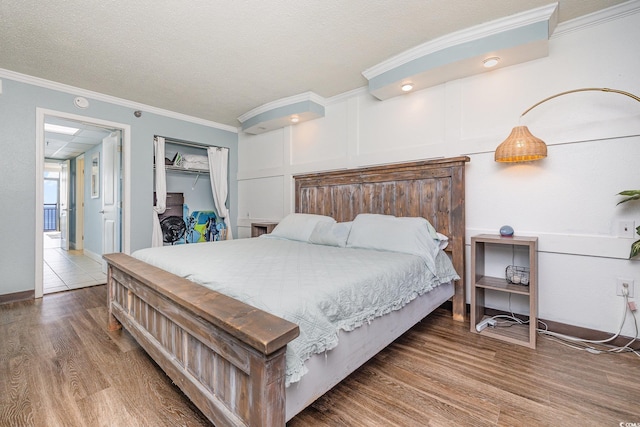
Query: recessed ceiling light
295	119
406	87
66	130
491	62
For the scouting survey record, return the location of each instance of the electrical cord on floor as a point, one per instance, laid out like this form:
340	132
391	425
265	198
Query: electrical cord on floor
512	318
575	342
585	345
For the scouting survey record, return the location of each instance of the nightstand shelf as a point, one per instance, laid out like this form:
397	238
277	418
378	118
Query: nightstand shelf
518	334
501	285
480	284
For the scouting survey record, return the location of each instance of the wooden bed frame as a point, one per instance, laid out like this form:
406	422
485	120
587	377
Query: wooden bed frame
229	357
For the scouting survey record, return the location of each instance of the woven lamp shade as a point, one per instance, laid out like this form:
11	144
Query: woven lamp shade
521	146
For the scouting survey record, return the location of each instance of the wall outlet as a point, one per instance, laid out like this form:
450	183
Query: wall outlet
626	229
621	283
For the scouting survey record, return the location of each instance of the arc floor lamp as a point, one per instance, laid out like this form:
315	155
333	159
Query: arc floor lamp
522	146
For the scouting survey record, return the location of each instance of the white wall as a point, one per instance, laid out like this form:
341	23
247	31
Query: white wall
568	199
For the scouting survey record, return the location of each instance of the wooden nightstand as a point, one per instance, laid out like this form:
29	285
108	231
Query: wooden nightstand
260	228
518	334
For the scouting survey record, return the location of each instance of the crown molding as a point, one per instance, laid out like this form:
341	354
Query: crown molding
362	90
282	102
600	17
60	87
467	35
278	114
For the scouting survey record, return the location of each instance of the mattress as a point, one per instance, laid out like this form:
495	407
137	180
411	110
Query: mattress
323	289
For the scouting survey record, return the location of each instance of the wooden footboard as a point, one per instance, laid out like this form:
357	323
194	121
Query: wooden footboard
226	356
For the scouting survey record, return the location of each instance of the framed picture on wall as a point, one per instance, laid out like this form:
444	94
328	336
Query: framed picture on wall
95	176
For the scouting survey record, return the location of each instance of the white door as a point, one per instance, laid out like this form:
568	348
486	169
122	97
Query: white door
64	205
110	195
79	203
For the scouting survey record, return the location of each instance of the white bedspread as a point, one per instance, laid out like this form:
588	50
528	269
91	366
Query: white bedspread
320	288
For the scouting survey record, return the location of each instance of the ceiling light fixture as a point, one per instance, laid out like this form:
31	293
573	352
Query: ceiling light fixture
406	87
65	130
491	62
522	146
295	119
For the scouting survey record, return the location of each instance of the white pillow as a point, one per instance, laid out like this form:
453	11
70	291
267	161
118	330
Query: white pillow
411	235
443	241
326	233
297	226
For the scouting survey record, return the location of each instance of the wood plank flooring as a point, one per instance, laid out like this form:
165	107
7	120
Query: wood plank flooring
60	367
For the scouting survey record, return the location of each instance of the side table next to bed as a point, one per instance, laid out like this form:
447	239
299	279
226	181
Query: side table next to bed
260	228
525	333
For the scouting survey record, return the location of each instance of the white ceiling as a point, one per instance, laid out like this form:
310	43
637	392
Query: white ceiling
60	146
216	59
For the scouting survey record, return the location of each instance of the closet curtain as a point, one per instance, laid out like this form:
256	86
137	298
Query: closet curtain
161	191
218	166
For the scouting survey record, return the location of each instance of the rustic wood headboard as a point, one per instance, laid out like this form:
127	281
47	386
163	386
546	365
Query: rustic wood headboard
433	189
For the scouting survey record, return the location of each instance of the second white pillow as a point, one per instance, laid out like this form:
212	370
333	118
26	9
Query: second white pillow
412	235
298	226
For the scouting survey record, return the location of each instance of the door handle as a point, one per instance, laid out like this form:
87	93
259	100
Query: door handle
101	212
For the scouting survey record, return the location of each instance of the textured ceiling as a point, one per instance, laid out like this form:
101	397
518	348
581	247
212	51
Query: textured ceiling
216	60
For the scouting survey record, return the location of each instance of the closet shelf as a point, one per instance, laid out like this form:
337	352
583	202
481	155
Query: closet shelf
183	170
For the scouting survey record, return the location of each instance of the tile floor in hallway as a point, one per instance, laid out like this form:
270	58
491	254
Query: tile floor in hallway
64	270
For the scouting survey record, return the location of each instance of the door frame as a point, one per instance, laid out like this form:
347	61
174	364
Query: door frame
79	211
64	186
125	231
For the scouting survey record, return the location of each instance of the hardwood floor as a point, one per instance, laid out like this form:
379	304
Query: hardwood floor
60	367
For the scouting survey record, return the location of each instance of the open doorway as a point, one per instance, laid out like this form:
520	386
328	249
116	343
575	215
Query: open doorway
65	266
90	215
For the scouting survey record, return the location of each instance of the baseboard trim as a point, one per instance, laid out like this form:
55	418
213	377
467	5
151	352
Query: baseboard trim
575	331
17	296
563	328
94	256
